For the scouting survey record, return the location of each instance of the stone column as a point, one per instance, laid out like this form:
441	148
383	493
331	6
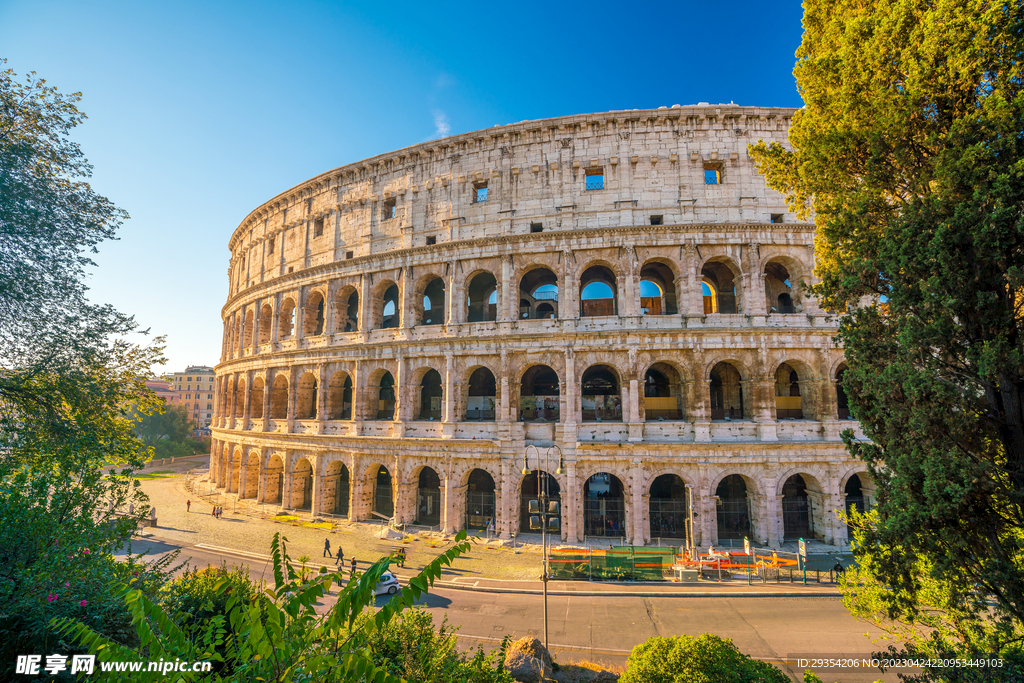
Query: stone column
233	387
508	299
763	400
365	306
318	483
453	300
286	480
502	507
571	414
570	506
293	380
261	491
448	405
267	383
448	524
300	316
242	475
694	283
275	323
329	311
638	510
321	398
774	522
247	409
400	398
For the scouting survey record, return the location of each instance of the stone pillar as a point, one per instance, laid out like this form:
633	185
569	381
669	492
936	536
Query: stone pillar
293	380
508	298
763	401
261	492
448	523
453	301
448	401
267	383
694	284
400	398
637	512
233	386
503	412
406	287
503	524
709	510
773	521
286	480
242	475
570	505
321	398
365	307
571	414
275	323
329	311
247	409
299	332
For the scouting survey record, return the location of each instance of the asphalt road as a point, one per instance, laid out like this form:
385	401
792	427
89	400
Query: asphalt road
603	629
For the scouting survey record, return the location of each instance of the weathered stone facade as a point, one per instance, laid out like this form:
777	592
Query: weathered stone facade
622	286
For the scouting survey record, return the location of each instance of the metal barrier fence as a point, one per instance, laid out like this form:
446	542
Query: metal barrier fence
620	563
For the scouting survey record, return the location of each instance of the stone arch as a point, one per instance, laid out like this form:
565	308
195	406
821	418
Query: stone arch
520	523
601	393
429	503
337	489
387	305
240	397
286	319
727	398
430	300
426	393
380	395
302	478
266	323
256	398
539	286
252	475
279	397
346	309
481	290
539	393
784	276
306	391
237	457
737	508
599	288
481	497
481	394
314	314
604	496
804	503
340	393
796	390
725	278
274	479
379	482
247	327
842	399
667	511
663	274
663	395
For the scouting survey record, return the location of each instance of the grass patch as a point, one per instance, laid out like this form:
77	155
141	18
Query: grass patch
284	518
319	525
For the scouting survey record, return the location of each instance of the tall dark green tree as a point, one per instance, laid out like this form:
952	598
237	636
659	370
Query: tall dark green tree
69	384
909	152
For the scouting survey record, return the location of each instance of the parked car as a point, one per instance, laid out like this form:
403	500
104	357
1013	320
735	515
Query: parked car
387	584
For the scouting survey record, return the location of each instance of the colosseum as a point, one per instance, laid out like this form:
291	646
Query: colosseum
611	306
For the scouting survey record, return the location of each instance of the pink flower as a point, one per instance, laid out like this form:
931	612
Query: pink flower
51	597
87	551
82	603
67	584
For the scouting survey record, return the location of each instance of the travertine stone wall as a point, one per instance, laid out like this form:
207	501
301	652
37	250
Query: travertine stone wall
329	372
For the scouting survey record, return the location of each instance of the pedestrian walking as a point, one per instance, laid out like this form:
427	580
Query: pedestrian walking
188	505
353	574
341	557
327	548
214	511
838	570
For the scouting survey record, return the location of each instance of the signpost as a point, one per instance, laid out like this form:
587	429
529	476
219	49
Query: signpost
746	551
803	559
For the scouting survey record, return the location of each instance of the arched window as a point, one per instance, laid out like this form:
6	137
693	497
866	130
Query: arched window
599	396
386	397
669	511
305	399
733	508
428	498
314	315
433	303
266	323
339	397
663	399
483	299
538	394
719	284
604	506
256	399
657	290
482	395
788	404
597	293
286	320
431	396
842	402
726	393
778	288
479	500
538	287
346	310
389	317
279	398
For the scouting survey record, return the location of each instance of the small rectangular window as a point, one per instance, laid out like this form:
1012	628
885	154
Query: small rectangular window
390	209
536	227
349	254
595	178
318	227
291	269
480	192
657	220
712	175
777	217
431	240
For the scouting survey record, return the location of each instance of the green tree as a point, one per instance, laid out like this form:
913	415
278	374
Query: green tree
908	152
704	659
171	423
69	381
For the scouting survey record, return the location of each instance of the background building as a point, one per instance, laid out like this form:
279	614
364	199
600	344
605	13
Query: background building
404	335
194	388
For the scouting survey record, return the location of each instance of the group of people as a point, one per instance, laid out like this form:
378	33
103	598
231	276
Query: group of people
339	557
217	510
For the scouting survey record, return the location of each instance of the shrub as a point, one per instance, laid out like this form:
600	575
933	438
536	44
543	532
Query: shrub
198	595
704	659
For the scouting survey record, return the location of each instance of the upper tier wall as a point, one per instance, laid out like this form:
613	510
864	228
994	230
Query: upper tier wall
653	164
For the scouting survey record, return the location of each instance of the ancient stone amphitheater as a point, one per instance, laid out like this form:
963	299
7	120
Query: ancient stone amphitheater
610	306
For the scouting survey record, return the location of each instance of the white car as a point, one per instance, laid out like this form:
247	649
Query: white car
387	584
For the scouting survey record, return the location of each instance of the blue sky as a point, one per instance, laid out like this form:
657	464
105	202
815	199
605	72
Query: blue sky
199	112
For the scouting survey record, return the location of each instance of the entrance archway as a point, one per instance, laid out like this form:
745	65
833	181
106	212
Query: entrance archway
482	395
600	399
538	394
533	483
854	500
431	396
733	508
604	506
669	509
726	393
383	499
538	295
274	481
336	489
797	521
302	485
428	498
479	500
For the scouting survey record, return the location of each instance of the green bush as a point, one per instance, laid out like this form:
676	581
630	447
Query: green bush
704	659
198	595
410	647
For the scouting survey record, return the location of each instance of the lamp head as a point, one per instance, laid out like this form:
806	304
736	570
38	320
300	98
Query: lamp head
525	471
559	470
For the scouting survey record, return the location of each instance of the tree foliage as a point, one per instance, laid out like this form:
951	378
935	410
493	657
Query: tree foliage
704	659
908	153
169	422
278	636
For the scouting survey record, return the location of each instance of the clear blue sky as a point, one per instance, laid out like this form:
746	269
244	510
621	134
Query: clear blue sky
200	111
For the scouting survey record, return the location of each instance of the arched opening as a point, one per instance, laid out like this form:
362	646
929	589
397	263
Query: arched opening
669	508
279	398
604	506
383	500
788	403
726	393
286	320
240	398
598	295
346	310
535	482
657	290
483	298
431	396
778	288
305	397
480	504
302	485
247	329
538	287
313	315
482	395
538	394
256	399
600	399
733	508
433	303
275	480
428	498
796	510
663	393
336	489
386	397
842	402
389	308
719	288
266	323
252	476
236	472
854	500
339	397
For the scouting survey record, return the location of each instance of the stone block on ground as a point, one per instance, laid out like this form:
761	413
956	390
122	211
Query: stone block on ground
528	661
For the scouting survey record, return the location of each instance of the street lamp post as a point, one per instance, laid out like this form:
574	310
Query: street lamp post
543	513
